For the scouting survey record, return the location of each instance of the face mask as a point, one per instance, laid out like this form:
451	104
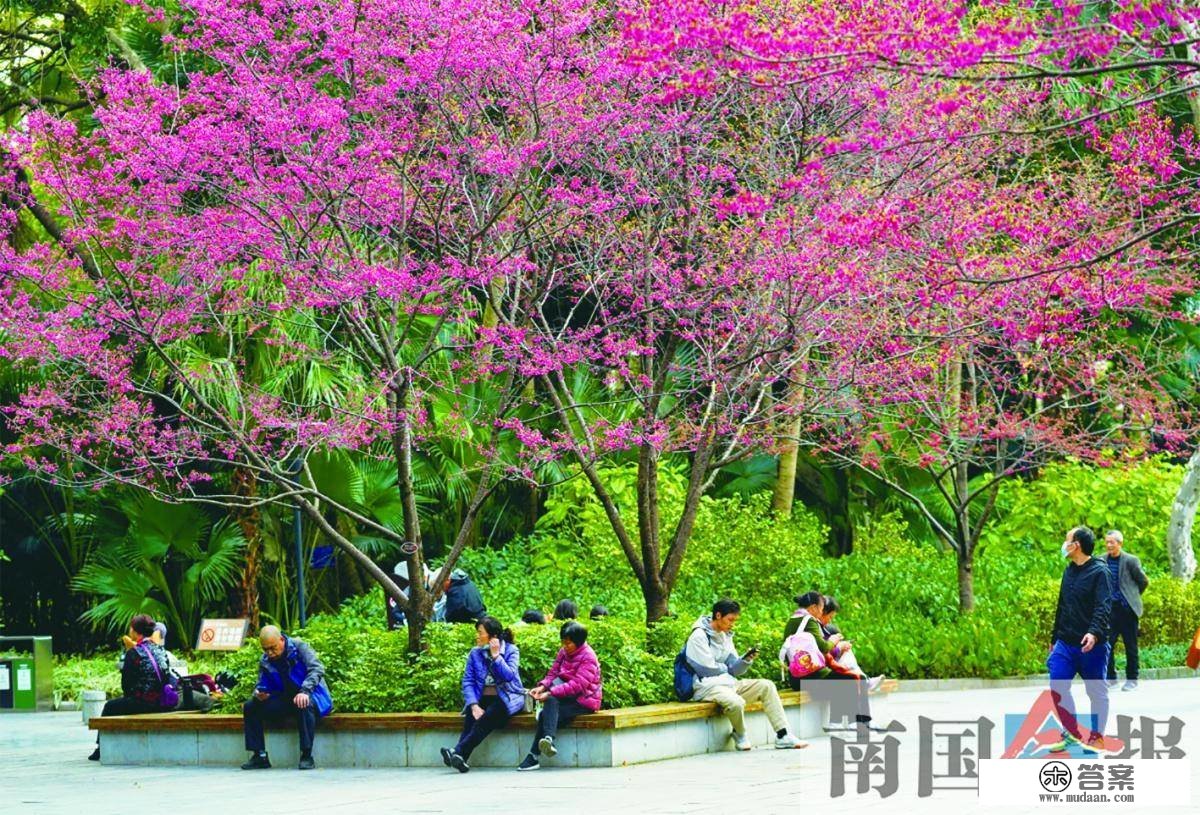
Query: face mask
1065	549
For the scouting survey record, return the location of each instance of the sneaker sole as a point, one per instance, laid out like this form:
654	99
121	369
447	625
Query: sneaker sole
797	746
547	747
529	769
446	757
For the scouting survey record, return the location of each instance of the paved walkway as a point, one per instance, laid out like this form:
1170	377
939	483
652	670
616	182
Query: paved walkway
43	770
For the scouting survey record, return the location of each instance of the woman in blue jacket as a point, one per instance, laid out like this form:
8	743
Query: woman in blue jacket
491	686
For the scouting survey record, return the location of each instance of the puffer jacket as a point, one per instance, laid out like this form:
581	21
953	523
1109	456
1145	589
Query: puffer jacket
304	670
505	673
580	675
138	678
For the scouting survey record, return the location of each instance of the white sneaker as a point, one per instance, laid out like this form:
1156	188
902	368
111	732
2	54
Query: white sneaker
789	742
874	682
742	742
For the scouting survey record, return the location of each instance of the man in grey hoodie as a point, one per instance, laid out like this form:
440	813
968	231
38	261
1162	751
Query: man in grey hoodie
711	656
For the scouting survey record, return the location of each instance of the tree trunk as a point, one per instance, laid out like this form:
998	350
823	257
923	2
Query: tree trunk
966	578
250	521
785	481
420	605
1179	530
658	600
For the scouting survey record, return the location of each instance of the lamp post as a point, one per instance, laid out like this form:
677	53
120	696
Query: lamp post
298	539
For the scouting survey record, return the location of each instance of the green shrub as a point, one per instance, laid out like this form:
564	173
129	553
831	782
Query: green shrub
1135	498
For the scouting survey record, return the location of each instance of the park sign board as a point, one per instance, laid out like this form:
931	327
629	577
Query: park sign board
222	634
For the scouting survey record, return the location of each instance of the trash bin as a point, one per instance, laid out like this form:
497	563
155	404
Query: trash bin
91	702
29	675
23	695
6	688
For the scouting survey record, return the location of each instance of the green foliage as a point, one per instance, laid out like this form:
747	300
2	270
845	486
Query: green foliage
172	563
368	669
1135	498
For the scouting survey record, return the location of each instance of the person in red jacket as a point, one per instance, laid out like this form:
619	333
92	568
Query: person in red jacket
572	686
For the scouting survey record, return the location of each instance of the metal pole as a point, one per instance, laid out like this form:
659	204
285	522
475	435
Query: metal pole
298	535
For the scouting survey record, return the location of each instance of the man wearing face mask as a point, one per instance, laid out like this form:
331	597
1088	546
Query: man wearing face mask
1078	640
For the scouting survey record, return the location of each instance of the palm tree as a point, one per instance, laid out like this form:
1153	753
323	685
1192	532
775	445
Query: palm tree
172	562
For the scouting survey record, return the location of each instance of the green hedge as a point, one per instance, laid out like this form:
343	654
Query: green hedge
899	596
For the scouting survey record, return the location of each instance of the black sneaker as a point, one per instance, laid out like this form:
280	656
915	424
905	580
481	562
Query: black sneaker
459	763
530	763
546	746
446	753
258	761
95	756
306	762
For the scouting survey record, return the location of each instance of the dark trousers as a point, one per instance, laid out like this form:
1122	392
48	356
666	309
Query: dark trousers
555	712
845	693
127	706
277	709
1124	624
495	717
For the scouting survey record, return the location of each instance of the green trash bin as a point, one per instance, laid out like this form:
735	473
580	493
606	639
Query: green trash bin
27	678
24	694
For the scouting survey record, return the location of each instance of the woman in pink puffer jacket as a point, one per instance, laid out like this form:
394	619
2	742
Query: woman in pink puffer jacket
572	686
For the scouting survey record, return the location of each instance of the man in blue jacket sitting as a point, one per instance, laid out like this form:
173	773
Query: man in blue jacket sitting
291	684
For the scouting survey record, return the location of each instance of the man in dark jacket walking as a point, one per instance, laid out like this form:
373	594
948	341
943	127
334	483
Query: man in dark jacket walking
1079	642
1126	582
291	685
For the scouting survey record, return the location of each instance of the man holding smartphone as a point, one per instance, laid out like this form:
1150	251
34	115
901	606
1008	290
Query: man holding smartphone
291	685
711	656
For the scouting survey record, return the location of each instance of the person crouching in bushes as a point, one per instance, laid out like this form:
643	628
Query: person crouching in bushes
810	664
572	686
716	664
147	684
491	688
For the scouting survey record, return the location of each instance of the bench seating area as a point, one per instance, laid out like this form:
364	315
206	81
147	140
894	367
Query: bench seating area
609	738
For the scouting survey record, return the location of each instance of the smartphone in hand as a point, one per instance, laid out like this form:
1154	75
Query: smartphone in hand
751	654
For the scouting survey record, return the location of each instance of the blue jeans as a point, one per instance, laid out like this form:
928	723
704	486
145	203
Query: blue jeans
1064	662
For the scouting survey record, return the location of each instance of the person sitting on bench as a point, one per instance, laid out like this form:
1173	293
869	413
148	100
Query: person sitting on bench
291	685
571	687
145	669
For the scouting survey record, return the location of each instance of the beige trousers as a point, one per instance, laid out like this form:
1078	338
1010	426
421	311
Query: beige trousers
733	699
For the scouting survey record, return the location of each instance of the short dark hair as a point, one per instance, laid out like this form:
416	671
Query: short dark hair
142	624
598	611
534	616
494	629
573	631
566	610
809	598
726	606
831	605
1085	538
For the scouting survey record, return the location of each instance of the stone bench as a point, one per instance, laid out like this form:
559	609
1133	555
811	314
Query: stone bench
608	738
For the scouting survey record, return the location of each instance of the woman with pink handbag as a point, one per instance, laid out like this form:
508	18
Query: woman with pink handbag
810	664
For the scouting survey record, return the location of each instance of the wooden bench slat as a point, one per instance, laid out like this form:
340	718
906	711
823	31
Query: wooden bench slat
615	719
